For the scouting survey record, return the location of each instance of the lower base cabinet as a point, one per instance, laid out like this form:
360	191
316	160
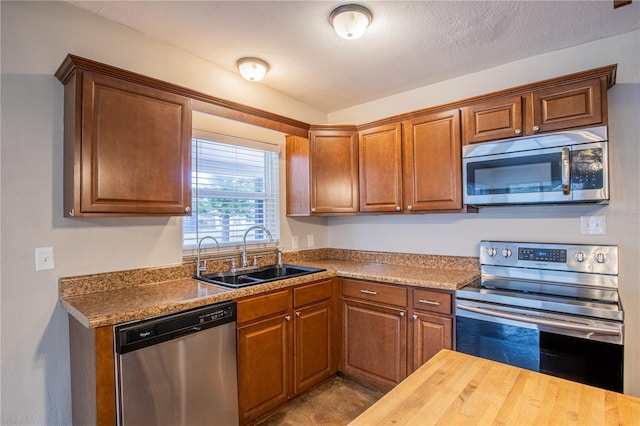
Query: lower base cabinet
286	344
388	331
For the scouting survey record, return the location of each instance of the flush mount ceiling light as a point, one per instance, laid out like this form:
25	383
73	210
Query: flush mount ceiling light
252	69
350	20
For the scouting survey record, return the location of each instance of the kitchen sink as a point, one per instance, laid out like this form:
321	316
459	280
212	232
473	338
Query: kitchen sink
249	277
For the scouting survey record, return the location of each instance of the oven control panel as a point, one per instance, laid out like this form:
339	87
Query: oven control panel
601	259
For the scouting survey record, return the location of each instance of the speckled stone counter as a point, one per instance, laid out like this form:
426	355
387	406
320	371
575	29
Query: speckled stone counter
111	298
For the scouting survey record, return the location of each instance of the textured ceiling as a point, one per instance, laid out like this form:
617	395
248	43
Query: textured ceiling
409	44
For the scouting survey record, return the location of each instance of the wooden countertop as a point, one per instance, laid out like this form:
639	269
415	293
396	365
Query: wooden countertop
114	304
454	388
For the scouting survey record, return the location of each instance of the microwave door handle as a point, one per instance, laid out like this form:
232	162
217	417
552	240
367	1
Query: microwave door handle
566	172
540	321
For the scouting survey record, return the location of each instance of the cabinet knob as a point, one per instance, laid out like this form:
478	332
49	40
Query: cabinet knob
298	314
518	131
313	210
414	317
287	317
409	207
187	209
398	208
536	128
401	314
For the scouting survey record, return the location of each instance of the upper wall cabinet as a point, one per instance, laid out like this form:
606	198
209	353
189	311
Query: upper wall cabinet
432	162
322	172
127	145
380	168
560	106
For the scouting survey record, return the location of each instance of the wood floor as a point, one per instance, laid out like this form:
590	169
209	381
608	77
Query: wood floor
334	403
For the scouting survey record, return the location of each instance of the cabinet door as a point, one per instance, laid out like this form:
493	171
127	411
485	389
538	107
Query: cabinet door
433	162
430	334
374	343
496	119
313	345
569	105
380	161
264	363
334	171
134	154
298	179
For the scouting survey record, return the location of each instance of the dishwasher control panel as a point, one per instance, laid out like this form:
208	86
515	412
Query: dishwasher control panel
136	335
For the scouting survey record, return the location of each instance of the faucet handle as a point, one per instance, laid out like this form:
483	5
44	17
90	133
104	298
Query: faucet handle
203	267
233	263
255	260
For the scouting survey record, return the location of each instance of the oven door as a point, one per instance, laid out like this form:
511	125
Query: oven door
545	175
559	345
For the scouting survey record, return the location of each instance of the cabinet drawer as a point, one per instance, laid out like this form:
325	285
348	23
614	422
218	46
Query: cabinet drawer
432	301
313	292
375	292
264	305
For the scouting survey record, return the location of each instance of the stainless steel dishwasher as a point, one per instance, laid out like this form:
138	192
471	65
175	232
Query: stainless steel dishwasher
179	369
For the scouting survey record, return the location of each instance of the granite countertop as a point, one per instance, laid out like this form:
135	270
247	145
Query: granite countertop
453	388
95	301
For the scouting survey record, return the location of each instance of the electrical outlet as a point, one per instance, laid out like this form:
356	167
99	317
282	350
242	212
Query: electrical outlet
294	242
44	258
310	241
592	225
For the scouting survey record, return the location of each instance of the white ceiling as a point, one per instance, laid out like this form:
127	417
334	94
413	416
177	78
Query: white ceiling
409	44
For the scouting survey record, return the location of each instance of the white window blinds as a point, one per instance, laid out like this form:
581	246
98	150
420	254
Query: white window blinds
235	185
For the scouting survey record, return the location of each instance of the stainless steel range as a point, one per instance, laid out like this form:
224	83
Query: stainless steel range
552	308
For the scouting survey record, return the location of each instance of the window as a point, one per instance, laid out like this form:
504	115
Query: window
235	185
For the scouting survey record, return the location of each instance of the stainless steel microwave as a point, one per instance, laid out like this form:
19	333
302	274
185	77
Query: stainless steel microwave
562	167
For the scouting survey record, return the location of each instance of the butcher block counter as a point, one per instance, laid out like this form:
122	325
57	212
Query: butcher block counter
454	388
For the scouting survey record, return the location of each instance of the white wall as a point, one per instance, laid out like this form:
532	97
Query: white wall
36	36
459	234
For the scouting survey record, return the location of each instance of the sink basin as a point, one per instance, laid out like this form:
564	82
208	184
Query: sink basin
249	277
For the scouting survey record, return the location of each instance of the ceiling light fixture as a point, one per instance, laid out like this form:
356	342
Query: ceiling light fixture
350	20
252	69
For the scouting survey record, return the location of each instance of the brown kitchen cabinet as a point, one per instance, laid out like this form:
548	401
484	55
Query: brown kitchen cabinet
564	105
374	332
380	168
93	382
286	344
127	144
388	331
432	162
432	325
333	170
322	172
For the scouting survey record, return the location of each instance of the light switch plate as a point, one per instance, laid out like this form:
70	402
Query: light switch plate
294	242
592	225
44	258
310	241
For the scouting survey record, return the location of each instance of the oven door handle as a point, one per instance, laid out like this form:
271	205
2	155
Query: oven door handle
540	321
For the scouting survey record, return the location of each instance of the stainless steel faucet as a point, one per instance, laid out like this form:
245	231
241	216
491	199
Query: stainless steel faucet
202	268
244	242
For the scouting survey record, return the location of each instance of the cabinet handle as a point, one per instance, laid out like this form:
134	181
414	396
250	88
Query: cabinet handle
518	131
287	317
429	302
414	317
187	209
536	128
298	314
398	208
409	207
373	293
401	314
